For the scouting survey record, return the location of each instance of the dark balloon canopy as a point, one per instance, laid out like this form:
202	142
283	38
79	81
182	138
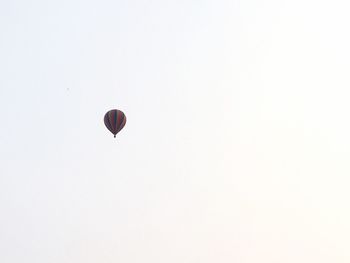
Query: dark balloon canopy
115	121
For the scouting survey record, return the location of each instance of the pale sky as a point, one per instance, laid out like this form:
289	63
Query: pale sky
237	143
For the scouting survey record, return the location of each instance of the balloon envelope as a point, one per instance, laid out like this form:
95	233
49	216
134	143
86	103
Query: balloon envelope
115	121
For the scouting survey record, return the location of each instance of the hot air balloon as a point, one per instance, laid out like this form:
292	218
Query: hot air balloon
115	121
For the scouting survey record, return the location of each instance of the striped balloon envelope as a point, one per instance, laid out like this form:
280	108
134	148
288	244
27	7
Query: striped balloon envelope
115	121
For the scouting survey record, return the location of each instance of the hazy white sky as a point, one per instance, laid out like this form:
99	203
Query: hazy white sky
236	147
